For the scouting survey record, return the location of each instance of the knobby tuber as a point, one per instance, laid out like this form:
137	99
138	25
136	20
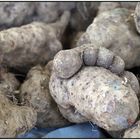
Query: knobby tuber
14	119
89	84
14	13
115	30
32	44
35	93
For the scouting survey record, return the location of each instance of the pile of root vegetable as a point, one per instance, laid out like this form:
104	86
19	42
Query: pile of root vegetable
70	62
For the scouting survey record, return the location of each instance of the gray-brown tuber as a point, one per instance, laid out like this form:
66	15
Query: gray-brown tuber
97	89
24	47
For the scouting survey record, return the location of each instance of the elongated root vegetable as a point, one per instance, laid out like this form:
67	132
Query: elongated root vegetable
133	132
35	43
115	30
14	13
35	93
89	84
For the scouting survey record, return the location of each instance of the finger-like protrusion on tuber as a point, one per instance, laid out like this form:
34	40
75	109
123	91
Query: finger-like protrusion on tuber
115	30
117	65
67	63
105	57
90	56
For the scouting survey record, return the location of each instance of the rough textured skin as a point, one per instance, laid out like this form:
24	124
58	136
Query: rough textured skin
50	11
137	17
66	67
9	85
14	13
35	93
95	93
28	45
115	30
15	120
133	132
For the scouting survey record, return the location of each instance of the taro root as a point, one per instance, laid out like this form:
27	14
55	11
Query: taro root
133	131
32	44
96	90
115	30
14	13
35	93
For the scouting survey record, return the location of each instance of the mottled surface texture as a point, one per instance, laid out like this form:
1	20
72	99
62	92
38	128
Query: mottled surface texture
28	45
35	93
96	92
115	30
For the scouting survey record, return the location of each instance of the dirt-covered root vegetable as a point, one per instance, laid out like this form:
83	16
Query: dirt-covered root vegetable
115	30
35	93
9	85
14	13
95	91
15	120
137	17
28	45
51	11
133	131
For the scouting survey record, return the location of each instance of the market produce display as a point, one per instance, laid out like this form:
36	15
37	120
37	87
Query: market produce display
68	66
